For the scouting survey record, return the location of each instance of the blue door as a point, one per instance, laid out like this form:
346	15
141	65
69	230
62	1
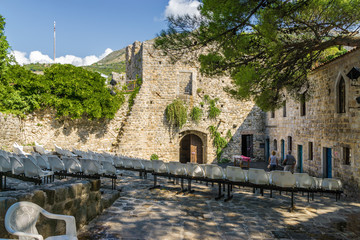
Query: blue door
328	163
282	150
300	158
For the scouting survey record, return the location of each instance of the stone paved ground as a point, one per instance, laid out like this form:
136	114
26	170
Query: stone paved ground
163	214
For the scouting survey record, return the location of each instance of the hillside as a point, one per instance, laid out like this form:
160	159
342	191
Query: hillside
114	62
117	56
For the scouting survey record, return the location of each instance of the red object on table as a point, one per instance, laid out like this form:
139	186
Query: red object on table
246	159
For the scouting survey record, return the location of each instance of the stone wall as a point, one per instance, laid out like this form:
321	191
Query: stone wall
146	131
81	199
46	129
322	125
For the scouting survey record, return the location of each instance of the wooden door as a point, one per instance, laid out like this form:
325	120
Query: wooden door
193	152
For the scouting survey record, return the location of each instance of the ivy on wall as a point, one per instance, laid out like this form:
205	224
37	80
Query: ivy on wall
196	114
134	93
218	142
176	113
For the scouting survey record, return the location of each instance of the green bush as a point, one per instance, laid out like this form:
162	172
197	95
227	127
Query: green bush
154	157
176	113
71	91
224	160
196	114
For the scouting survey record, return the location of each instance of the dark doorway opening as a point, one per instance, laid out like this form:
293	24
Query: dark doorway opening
191	149
247	145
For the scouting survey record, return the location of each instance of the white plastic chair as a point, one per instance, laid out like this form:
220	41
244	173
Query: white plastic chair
40	148
91	167
147	165
137	164
331	184
217	172
194	170
72	165
18	149
42	161
21	218
235	174
208	170
118	162
5	164
303	180
56	164
282	179
17	167
109	168
128	163
258	176
33	170
159	166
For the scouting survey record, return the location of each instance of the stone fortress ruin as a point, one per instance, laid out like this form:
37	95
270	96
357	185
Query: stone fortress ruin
323	132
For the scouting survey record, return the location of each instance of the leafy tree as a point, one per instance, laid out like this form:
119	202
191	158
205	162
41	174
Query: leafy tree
266	46
4	45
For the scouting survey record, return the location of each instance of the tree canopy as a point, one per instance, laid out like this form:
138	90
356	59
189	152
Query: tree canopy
265	46
4	45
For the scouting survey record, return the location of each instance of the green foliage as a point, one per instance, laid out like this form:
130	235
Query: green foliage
72	91
224	160
107	69
266	47
196	114
228	134
134	93
202	104
219	142
154	157
206	98
4	46
214	112
176	113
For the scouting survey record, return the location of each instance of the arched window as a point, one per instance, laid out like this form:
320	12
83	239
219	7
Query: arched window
275	144
341	96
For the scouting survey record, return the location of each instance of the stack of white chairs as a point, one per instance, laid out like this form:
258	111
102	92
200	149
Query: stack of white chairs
258	176
40	149
63	152
282	179
31	169
235	174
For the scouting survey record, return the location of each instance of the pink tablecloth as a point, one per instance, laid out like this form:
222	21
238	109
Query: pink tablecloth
246	159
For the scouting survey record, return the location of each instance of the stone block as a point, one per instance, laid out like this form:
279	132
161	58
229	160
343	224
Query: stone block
60	194
50	196
39	198
95	185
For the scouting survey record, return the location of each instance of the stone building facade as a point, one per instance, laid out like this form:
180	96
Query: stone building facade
324	132
147	132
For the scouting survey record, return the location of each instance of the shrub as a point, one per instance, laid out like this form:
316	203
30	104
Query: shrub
154	157
176	113
196	114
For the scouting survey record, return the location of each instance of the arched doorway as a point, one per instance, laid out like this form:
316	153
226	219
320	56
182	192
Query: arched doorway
191	149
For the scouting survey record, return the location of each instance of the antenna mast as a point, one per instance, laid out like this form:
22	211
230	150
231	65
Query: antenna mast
54	41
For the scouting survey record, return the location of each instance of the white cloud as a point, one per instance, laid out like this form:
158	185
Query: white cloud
182	7
38	57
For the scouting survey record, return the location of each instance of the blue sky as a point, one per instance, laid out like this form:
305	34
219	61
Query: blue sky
86	30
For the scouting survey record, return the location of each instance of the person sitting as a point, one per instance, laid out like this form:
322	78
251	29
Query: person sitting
289	162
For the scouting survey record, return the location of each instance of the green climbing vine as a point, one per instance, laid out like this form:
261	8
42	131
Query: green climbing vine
154	157
219	142
196	114
176	113
214	112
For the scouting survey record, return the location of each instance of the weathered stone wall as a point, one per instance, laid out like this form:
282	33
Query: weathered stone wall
147	132
46	129
81	199
322	125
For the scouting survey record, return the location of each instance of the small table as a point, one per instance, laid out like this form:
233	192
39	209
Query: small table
240	160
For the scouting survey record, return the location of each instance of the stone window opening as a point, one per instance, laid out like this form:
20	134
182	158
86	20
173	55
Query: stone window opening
302	105
346	155
275	145
341	96
289	143
272	114
284	109
311	151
